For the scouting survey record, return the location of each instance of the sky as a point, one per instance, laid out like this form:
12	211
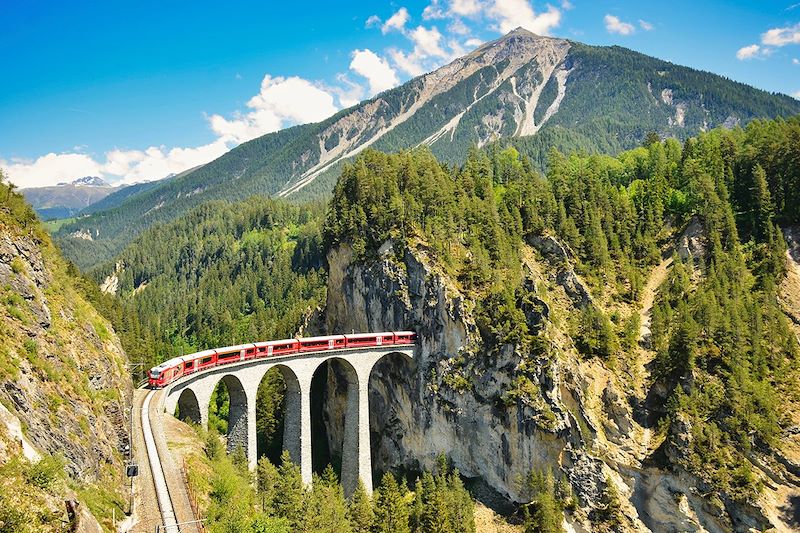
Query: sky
135	91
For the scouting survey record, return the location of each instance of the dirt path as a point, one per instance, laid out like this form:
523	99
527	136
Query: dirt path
657	277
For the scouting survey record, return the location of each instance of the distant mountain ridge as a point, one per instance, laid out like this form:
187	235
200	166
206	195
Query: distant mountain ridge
91	181
536	92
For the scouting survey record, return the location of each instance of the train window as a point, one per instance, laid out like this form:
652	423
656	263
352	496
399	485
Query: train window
189	364
206	360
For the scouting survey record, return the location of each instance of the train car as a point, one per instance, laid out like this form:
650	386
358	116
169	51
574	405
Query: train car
165	373
358	340
232	354
317	344
281	347
168	371
404	337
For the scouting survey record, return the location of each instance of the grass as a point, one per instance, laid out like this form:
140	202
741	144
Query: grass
54	225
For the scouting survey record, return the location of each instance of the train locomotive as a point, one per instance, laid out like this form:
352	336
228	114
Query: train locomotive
177	367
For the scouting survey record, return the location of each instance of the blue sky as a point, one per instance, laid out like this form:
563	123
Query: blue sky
137	90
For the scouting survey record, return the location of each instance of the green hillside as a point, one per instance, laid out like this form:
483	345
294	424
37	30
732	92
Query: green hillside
612	98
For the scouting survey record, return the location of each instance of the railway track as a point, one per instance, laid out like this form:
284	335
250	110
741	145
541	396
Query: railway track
159	480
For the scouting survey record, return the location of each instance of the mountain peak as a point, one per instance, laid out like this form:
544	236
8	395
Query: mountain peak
91	181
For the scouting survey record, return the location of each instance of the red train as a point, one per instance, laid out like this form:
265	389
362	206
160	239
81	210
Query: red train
170	370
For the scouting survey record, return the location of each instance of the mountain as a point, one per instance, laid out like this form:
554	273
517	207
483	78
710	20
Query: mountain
92	181
537	92
67	199
627	326
64	388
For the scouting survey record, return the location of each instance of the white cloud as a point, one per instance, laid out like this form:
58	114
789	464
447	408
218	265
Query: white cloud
795	61
615	25
646	26
566	5
375	69
458	27
372	21
280	103
408	63
781	36
396	21
511	14
433	11
50	169
473	43
751	52
796	95
465	8
118	166
427	42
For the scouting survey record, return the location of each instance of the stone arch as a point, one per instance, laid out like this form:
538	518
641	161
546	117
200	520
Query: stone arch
291	410
342	393
392	384
237	412
188	407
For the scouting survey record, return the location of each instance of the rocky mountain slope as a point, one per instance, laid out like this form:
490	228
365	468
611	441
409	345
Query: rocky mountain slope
67	199
63	389
582	416
537	91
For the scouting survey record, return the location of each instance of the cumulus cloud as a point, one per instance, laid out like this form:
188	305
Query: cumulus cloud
396	22
116	166
281	102
646	26
795	61
511	14
796	95
615	25
752	51
50	169
465	8
375	69
781	36
473	43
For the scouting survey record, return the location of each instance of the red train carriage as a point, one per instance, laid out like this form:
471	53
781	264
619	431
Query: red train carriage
177	367
317	344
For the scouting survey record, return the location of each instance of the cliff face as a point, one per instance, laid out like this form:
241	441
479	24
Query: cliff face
63	386
499	413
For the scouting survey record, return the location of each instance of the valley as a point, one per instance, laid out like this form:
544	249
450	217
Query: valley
482	279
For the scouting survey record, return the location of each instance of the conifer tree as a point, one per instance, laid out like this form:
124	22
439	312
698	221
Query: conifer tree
290	494
359	510
391	508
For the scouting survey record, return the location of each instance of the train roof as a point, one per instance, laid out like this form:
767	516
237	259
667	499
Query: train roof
365	335
168	363
275	343
235	348
322	338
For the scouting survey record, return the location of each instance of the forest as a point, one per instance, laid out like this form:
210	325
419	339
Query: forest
725	354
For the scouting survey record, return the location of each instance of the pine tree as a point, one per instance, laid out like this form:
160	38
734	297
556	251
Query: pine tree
267	479
326	509
391	509
359	510
763	210
290	493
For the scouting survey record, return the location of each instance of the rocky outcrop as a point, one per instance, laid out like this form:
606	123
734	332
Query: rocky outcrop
457	398
498	411
63	382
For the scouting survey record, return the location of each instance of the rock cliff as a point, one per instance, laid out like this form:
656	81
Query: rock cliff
500	411
63	388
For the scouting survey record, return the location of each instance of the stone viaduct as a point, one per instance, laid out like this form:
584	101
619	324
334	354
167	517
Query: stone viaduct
192	394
